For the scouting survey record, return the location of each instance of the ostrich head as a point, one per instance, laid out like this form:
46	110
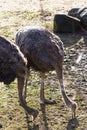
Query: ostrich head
74	107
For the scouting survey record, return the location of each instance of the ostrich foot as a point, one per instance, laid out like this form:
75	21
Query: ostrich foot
33	112
46	101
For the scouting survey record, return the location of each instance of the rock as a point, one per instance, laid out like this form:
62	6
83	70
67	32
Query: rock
66	24
83	18
74	12
81	14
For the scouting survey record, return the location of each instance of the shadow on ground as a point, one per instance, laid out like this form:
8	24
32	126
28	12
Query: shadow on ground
70	39
29	127
72	124
43	125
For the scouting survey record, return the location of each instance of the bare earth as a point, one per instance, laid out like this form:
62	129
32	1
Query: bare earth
15	14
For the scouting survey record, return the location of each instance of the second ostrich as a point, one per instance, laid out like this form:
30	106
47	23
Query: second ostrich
44	52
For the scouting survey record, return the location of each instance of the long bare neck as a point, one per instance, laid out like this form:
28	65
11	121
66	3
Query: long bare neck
66	99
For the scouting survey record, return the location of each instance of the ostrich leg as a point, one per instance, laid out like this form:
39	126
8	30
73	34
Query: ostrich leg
25	86
29	110
42	97
71	104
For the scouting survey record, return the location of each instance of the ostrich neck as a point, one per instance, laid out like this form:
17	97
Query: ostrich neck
66	99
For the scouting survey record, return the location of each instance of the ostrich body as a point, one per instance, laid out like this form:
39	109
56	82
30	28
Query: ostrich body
44	52
13	65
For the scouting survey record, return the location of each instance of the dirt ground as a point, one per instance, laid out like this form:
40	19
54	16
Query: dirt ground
15	14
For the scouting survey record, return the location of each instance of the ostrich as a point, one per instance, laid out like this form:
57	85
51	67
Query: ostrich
44	52
14	65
